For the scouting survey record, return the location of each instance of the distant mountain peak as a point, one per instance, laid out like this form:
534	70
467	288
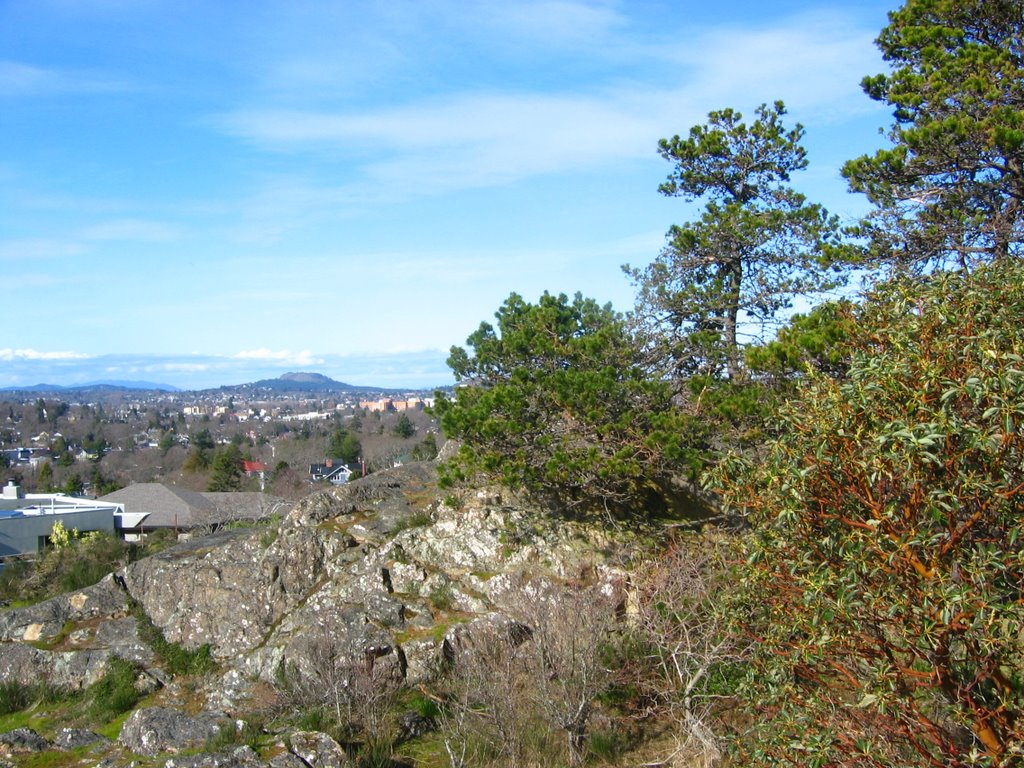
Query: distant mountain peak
304	381
307	378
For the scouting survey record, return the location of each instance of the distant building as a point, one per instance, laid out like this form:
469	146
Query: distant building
179	509
310	416
26	520
385	405
254	468
334	472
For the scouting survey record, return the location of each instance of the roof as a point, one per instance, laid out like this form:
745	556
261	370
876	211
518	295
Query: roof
171	507
254	466
52	503
329	469
168	507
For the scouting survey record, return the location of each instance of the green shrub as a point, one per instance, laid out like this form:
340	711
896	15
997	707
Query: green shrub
376	752
80	563
313	719
881	579
251	734
14	697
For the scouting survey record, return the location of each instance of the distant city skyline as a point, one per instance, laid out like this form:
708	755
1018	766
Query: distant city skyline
209	193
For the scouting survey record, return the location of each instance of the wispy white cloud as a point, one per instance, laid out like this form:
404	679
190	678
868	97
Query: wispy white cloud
77	242
813	62
562	23
286	357
491	137
465	120
20	79
130	230
17	78
13	355
36	248
328	50
177	367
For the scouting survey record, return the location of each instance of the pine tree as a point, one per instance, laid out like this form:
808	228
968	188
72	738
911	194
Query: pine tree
951	186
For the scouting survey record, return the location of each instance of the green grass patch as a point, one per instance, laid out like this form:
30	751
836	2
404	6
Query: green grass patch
252	734
44	707
54	758
114	693
442	597
314	719
423	705
607	746
112	729
415	520
15	697
176	659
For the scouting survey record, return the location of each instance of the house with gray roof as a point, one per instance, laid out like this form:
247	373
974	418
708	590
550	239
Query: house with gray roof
179	509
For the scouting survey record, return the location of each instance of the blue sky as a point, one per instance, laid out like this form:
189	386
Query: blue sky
212	192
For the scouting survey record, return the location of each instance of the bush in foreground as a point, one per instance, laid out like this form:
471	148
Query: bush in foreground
883	587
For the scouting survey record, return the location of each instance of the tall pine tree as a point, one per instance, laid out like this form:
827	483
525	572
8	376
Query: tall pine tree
758	244
950	188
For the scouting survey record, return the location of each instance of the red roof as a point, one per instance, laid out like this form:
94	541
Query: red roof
254	466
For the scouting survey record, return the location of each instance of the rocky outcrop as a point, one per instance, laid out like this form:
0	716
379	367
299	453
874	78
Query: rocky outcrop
319	750
155	730
22	740
380	572
45	621
22	663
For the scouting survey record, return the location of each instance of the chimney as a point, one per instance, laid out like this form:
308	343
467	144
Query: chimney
12	491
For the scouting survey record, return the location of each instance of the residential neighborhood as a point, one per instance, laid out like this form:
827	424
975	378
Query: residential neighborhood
169	454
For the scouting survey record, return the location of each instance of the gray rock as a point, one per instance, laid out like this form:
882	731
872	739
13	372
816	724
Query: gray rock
334	579
318	750
22	740
407	578
121	636
73	738
412	725
286	760
423	660
153	730
242	757
25	664
46	620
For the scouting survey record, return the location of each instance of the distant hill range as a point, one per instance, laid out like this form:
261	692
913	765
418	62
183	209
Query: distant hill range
286	384
145	386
